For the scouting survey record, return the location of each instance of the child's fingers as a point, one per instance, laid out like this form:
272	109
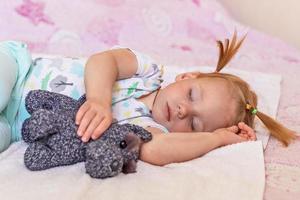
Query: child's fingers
91	127
241	138
80	113
85	122
245	129
105	123
245	136
233	129
252	135
244	126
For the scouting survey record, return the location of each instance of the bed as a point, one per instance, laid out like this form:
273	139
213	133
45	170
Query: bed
181	33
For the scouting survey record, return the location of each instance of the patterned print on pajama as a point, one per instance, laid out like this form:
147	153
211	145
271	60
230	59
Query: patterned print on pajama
66	76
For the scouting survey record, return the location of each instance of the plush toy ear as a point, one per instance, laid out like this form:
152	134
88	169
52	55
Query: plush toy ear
129	167
140	131
132	141
38	99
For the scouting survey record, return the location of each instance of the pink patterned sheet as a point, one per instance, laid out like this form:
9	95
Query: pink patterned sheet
175	32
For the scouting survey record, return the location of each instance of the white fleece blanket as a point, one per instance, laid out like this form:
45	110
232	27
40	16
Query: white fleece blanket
232	172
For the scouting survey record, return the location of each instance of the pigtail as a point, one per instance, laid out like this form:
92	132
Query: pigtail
248	98
276	129
227	50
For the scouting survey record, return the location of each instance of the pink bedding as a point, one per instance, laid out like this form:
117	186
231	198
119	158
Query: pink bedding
180	32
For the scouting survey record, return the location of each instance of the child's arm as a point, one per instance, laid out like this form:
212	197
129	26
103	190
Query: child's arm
101	72
179	147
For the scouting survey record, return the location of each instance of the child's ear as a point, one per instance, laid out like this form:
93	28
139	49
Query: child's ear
187	75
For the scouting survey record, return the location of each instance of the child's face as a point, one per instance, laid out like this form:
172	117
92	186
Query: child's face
190	104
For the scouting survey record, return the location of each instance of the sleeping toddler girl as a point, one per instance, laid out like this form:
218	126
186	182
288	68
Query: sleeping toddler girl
195	114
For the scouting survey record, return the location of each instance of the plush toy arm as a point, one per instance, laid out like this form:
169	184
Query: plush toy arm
42	99
140	131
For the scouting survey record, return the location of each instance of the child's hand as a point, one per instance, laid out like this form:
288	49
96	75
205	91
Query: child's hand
235	134
246	131
93	119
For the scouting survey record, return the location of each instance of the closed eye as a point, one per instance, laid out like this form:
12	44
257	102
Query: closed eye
192	124
191	94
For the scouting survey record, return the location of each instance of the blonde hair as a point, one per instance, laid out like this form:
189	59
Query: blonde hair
246	98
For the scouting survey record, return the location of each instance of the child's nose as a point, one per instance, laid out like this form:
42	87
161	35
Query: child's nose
182	111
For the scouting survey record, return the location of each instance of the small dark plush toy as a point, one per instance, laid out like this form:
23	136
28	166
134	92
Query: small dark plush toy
50	132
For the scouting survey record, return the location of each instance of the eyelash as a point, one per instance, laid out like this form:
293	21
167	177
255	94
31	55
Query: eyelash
191	99
190	95
192	125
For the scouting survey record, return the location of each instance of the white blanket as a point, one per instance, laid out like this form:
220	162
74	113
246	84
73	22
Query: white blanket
232	172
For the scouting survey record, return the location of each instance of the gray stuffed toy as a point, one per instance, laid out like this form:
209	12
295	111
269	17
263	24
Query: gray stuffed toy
50	132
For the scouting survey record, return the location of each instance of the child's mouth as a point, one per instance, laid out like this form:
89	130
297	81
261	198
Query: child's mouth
168	112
